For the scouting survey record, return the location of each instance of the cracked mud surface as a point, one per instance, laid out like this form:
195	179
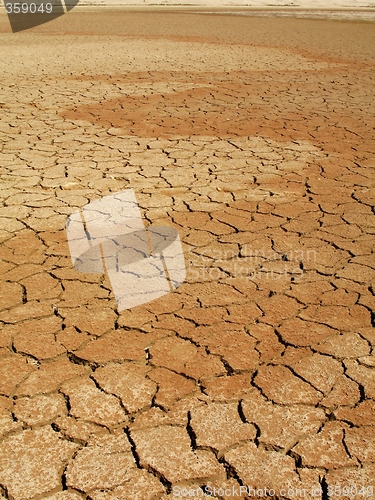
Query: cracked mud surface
256	142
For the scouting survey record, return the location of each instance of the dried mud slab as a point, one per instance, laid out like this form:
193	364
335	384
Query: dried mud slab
254	138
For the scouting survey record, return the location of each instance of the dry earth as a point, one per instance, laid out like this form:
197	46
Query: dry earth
255	139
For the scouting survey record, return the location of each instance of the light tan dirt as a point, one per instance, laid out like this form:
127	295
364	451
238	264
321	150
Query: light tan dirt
254	138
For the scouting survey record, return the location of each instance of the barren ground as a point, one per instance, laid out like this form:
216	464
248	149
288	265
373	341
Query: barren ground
255	139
